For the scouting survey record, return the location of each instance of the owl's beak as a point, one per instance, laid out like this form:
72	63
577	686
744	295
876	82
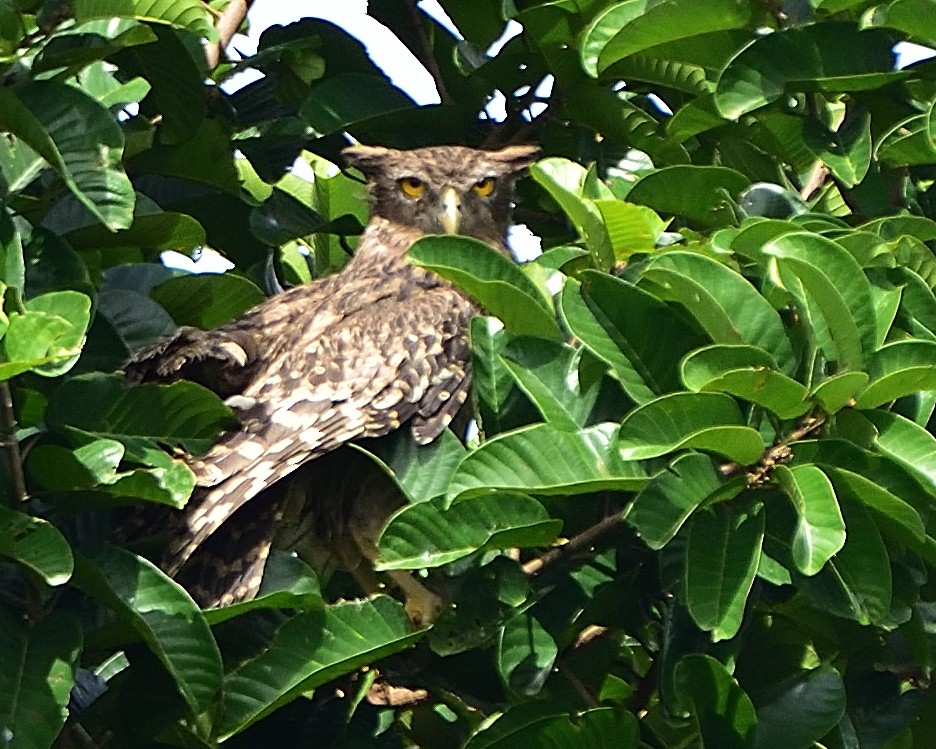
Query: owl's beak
450	217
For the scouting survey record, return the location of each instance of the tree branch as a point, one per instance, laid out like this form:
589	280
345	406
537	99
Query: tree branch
228	24
8	440
581	541
424	53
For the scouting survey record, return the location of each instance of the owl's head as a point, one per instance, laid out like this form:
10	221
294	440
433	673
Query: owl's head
444	189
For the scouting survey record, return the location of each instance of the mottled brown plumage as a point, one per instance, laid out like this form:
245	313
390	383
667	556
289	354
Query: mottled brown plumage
380	346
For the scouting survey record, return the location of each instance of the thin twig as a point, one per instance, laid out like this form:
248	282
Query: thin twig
778	453
424	53
9	441
581	541
228	24
587	697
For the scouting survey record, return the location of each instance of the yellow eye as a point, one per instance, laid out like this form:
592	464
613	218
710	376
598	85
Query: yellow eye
412	187
484	188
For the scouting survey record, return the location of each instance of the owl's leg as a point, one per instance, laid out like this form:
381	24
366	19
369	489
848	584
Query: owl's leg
422	605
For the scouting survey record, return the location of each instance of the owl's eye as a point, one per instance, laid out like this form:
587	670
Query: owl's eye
412	187
484	188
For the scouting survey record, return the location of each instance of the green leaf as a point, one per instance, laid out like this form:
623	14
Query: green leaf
820	531
541	459
288	583
703	194
37	671
182	413
898	369
12	264
525	655
816	698
723	302
747	373
830	57
37	545
47	336
207	300
565	182
311	649
610	316
834	392
703	421
79	139
342	100
422	472
722	556
157	231
183	14
907	443
635	25
671	496
94	465
429	535
837	285
548	373
161	613
492	280
538	725
720	708
846	151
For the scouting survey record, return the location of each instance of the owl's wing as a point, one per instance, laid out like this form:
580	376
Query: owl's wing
361	375
226	359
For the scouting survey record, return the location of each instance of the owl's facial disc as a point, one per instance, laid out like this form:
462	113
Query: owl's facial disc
450	215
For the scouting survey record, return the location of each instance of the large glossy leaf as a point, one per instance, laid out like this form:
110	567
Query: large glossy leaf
207	300
79	139
181	413
310	649
339	101
722	556
47	336
544	460
719	707
703	421
820	531
94	465
548	373
825	57
837	285
723	302
526	653
490	278
37	670
817	699
671	496
748	373
629	27
184	14
551	728
161	613
37	545
609	316
704	194
899	369
857	582
905	442
429	535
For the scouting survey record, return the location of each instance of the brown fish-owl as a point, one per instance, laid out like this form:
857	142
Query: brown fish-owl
380	346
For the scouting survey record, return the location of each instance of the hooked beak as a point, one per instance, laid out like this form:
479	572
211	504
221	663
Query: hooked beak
451	211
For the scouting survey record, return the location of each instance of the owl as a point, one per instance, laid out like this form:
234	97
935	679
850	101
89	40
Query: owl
380	346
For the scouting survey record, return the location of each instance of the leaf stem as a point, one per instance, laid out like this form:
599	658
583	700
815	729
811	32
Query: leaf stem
9	441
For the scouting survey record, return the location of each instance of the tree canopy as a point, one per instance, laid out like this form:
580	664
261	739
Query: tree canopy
696	512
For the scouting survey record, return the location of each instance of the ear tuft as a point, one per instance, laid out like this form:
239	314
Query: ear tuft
366	158
516	158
